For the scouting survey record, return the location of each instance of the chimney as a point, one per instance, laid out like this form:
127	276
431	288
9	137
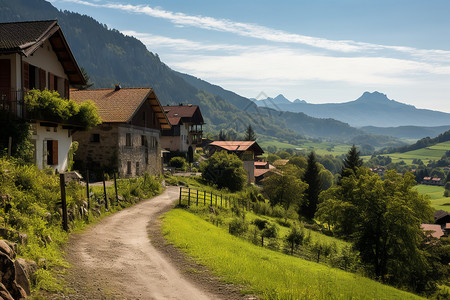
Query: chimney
117	88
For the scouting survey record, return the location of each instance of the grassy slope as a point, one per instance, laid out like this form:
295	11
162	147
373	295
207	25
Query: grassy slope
321	148
425	154
436	193
264	272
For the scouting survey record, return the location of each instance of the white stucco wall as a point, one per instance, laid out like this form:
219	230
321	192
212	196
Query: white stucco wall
41	135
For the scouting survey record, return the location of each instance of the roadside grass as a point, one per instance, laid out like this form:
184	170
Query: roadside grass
436	193
260	271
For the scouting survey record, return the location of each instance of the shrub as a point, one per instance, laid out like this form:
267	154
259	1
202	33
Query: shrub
178	162
295	238
238	227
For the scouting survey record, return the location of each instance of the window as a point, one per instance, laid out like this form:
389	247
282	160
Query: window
52	152
143	140
128	140
137	168
128	167
95	138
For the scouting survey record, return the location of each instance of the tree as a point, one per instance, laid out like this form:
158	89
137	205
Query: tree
224	170
87	78
382	218
351	162
295	238
284	189
312	178
222	136
250	134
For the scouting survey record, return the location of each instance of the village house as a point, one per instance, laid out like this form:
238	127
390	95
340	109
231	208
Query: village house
128	140
35	55
262	170
186	131
247	151
432	181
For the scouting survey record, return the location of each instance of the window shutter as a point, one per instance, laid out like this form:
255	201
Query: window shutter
26	76
42	80
51	81
54	152
66	88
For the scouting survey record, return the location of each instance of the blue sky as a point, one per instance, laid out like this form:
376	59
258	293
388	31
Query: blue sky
319	51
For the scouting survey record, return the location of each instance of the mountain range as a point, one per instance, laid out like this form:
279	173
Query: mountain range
109	57
371	109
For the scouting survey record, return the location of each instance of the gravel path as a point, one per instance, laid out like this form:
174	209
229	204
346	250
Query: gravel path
115	259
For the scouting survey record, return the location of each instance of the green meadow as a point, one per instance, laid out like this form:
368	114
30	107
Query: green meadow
320	148
266	273
425	154
436	193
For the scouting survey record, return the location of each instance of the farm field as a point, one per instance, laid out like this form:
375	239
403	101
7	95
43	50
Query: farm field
320	148
436	193
264	272
429	153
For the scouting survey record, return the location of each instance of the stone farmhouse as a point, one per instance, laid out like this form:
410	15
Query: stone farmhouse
247	151
35	55
128	140
186	132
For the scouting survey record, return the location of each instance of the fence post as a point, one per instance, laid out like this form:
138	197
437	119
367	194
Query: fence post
87	190
62	183
189	197
181	188
9	146
216	200
115	188
104	190
204	198
197	197
211	199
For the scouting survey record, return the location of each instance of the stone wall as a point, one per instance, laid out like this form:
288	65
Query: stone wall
98	147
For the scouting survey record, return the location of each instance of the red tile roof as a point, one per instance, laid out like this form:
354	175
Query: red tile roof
260	172
120	106
238	146
435	230
186	113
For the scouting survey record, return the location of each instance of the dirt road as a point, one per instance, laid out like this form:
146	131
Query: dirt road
116	260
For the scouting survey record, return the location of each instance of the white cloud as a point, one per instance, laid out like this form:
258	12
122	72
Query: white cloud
265	33
289	66
153	41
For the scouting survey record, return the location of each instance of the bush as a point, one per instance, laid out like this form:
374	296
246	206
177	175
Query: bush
238	227
178	162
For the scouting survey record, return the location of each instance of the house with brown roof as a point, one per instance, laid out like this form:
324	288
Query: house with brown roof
247	151
35	55
433	230
128	140
186	131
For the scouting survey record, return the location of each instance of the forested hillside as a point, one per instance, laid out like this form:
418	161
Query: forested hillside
109	57
422	143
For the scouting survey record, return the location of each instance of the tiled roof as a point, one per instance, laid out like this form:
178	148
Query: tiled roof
261	163
435	230
26	37
21	35
187	113
238	146
120	106
260	172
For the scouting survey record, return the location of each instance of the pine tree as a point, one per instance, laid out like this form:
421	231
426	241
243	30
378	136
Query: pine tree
351	162
250	134
222	136
312	178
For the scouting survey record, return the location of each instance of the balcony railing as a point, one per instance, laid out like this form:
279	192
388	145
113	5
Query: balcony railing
11	101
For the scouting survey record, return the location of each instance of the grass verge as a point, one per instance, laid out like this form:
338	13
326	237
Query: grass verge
267	273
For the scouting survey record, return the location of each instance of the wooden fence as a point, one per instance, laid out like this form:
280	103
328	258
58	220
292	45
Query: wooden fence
190	197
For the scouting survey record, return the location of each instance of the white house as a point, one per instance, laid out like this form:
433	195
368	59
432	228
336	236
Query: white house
35	55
